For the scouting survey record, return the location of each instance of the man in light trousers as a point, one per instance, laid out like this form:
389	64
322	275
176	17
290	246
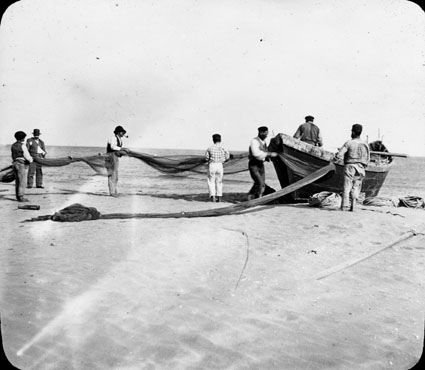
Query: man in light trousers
215	156
114	149
356	156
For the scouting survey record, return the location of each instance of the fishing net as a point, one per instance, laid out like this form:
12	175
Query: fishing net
75	213
325	199
412	201
171	164
78	212
381	202
177	164
192	163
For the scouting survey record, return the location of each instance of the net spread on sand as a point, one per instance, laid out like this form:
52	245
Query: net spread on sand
77	212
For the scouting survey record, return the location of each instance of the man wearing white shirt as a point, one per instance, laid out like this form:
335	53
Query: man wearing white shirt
37	149
114	149
20	160
257	155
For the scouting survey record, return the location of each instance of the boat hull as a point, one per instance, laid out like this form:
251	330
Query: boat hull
298	159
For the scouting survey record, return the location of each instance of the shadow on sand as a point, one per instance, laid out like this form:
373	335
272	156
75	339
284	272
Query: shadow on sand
202	197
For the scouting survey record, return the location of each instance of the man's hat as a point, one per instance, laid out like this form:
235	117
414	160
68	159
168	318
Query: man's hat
357	129
20	135
263	128
309	118
36	132
119	129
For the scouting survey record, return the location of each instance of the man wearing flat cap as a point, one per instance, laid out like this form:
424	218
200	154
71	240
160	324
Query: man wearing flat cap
309	132
114	150
355	154
20	160
37	149
258	154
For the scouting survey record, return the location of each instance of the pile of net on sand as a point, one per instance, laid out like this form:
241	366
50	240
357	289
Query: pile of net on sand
333	200
325	199
410	201
76	212
171	164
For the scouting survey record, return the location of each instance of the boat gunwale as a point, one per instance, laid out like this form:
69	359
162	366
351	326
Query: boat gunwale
297	145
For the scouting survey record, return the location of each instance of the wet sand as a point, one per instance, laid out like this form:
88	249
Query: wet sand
237	291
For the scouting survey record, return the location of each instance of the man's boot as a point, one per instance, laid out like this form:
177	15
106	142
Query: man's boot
212	198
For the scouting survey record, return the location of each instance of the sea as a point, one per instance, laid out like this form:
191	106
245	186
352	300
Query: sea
406	177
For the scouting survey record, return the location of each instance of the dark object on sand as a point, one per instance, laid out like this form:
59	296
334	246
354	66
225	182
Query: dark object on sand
75	213
298	159
381	202
412	201
325	199
7	174
35	207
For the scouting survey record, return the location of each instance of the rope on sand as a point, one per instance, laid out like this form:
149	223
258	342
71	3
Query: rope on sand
386	212
246	259
345	265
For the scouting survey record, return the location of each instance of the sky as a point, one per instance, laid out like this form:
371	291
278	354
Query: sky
175	72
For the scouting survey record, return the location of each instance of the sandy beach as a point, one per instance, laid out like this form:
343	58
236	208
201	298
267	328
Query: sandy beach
236	291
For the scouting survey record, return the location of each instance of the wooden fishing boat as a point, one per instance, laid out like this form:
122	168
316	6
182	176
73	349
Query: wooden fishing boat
298	159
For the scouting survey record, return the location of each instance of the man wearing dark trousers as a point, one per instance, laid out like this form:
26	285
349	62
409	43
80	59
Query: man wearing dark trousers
257	155
36	149
20	160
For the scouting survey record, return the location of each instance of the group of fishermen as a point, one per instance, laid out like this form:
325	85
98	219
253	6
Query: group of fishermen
354	153
23	155
26	167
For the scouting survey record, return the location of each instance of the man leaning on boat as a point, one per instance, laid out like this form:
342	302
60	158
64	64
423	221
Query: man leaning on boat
309	132
356	156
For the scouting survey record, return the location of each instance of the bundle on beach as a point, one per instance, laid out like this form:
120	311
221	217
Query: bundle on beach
75	213
380	202
412	201
325	199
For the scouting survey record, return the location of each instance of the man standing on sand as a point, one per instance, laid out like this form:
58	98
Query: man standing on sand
257	155
114	149
37	150
355	154
309	132
20	160
215	156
